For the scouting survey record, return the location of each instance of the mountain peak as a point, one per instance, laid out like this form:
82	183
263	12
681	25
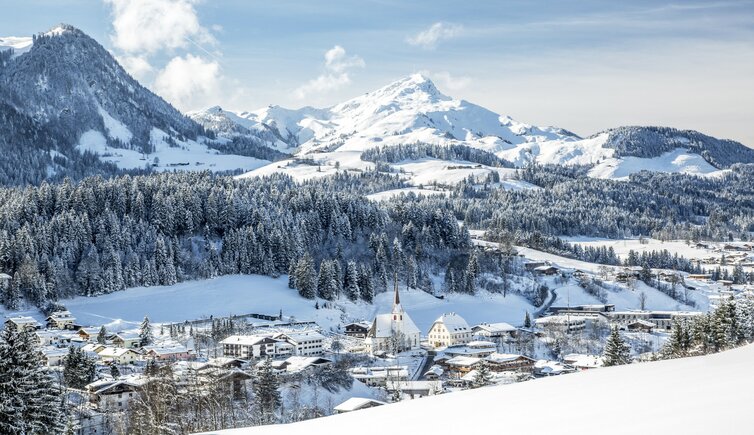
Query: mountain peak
61	29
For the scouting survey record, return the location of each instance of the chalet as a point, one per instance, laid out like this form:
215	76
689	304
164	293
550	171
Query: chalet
356	404
61	320
434	373
640	325
168	352
47	338
546	270
448	330
494	331
54	356
118	355
584	362
462	364
128	340
256	346
379	376
477	349
503	362
115	395
530	266
563	323
22	323
415	389
357	329
88	334
93	348
551	368
310	343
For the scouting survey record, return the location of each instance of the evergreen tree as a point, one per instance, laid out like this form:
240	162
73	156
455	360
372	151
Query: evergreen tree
616	351
30	403
114	371
266	394
366	288
145	332
351	282
306	277
102	335
78	368
483	375
527	321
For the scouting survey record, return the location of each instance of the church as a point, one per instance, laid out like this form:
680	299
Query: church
392	330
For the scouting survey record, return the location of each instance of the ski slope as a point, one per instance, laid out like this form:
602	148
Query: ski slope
701	395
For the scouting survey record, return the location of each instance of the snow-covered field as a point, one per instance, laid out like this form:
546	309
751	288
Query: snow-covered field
243	294
679	160
623	246
189	155
701	395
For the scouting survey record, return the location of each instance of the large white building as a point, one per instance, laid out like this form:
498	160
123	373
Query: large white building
448	330
393	331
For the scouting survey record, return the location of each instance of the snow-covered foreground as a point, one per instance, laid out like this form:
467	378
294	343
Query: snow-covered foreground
702	395
243	294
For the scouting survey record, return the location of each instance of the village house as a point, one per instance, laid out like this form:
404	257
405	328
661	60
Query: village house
128	340
546	270
357	329
494	331
378	376
118	355
255	346
54	356
551	368
22	323
356	404
168	352
296	363
478	349
448	330
61	320
503	362
462	364
47	338
93	349
640	325
393	331
584	362
309	343
562	323
88	334
414	389
115	395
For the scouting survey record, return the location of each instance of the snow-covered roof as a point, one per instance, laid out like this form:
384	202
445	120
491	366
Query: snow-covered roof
128	336
299	337
61	315
463	361
115	352
356	403
505	357
453	322
382	327
167	349
23	320
245	340
584	361
495	327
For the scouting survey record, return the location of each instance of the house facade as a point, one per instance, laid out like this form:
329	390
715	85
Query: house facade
448	330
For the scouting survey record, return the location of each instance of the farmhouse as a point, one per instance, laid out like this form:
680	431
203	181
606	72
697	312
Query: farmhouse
129	340
357	329
448	330
502	362
22	323
61	320
356	404
494	330
394	331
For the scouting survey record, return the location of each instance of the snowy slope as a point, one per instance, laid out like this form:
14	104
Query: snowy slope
702	395
19	44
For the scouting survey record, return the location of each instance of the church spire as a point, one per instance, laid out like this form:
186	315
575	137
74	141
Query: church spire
397	298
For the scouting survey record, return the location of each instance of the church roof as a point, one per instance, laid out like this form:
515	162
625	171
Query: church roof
382	327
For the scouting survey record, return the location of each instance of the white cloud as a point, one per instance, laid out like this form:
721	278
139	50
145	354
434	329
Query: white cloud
336	75
137	66
190	82
437	32
148	26
449	81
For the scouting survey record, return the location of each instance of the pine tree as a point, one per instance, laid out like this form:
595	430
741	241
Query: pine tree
616	351
102	335
30	403
366	288
266	394
527	321
114	371
351	282
483	375
145	332
78	368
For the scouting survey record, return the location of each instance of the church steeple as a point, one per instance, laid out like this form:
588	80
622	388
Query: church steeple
397	308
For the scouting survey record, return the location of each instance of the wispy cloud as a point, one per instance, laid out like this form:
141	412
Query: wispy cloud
337	68
430	37
447	80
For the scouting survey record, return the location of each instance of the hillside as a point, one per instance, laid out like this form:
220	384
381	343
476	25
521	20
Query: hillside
675	396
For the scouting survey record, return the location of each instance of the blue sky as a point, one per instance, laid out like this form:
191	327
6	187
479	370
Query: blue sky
584	66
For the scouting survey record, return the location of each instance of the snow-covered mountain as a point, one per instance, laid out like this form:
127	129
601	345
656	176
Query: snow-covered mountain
413	111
